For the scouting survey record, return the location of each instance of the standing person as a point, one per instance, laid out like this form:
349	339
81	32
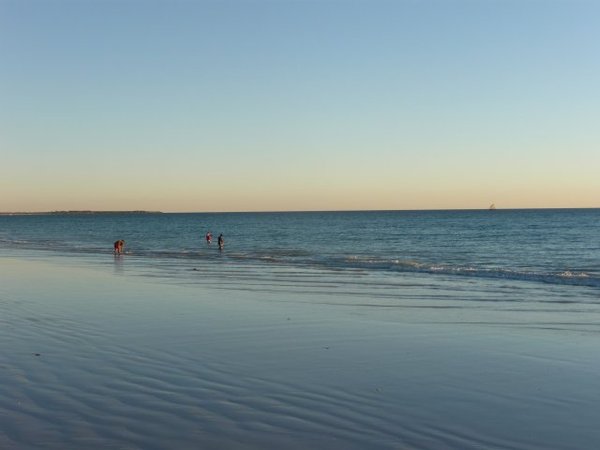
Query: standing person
118	246
208	238
221	242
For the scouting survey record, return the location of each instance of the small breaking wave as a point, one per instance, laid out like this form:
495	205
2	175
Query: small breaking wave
306	259
566	277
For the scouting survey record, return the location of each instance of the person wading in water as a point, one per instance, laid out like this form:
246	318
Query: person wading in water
118	245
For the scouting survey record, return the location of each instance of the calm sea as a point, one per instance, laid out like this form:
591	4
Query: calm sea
400	329
551	248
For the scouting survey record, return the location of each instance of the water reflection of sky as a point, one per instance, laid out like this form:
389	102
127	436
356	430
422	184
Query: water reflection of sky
236	357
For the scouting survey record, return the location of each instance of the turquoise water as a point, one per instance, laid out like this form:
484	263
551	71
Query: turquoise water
557	247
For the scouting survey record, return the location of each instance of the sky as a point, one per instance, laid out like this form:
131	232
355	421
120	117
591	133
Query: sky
298	105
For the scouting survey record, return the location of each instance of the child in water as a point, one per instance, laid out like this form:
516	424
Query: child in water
221	242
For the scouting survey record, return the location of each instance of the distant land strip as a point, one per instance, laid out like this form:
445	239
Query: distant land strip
76	212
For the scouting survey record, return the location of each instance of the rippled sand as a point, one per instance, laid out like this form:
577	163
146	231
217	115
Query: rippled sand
95	359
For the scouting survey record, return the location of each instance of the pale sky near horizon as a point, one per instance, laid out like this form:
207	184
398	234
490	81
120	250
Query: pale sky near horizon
299	105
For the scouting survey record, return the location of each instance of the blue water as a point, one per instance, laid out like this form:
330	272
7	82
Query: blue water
421	329
557	247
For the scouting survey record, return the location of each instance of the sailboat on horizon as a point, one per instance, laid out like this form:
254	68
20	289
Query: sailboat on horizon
492	207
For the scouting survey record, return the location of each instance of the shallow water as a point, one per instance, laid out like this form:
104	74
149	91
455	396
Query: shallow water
107	355
558	247
412	330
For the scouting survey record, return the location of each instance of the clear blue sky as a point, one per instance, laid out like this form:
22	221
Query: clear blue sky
299	105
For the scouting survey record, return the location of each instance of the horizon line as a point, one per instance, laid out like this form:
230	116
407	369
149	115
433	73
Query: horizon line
140	211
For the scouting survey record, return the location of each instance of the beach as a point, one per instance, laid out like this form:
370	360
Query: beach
299	225
101	356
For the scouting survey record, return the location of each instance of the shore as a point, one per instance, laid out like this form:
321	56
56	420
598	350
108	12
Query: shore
91	358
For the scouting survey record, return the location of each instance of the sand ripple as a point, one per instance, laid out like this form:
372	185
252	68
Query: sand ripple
98	361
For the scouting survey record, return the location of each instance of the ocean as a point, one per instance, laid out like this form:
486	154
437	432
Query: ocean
475	258
345	330
557	247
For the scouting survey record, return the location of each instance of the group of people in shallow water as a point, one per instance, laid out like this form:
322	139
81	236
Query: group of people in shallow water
120	244
220	241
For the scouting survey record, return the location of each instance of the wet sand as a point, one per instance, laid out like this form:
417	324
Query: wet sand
94	359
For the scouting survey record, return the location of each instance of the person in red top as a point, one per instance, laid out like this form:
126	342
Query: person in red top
119	246
208	237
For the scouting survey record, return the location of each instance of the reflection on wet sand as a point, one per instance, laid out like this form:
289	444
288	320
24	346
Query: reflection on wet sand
93	360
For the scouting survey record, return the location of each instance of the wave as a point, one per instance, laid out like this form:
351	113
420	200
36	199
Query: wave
564	277
305	259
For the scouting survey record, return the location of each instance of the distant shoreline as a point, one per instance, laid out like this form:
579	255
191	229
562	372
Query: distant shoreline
90	212
75	212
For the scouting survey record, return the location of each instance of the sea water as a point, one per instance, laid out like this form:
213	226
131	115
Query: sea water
560	247
522	256
421	329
